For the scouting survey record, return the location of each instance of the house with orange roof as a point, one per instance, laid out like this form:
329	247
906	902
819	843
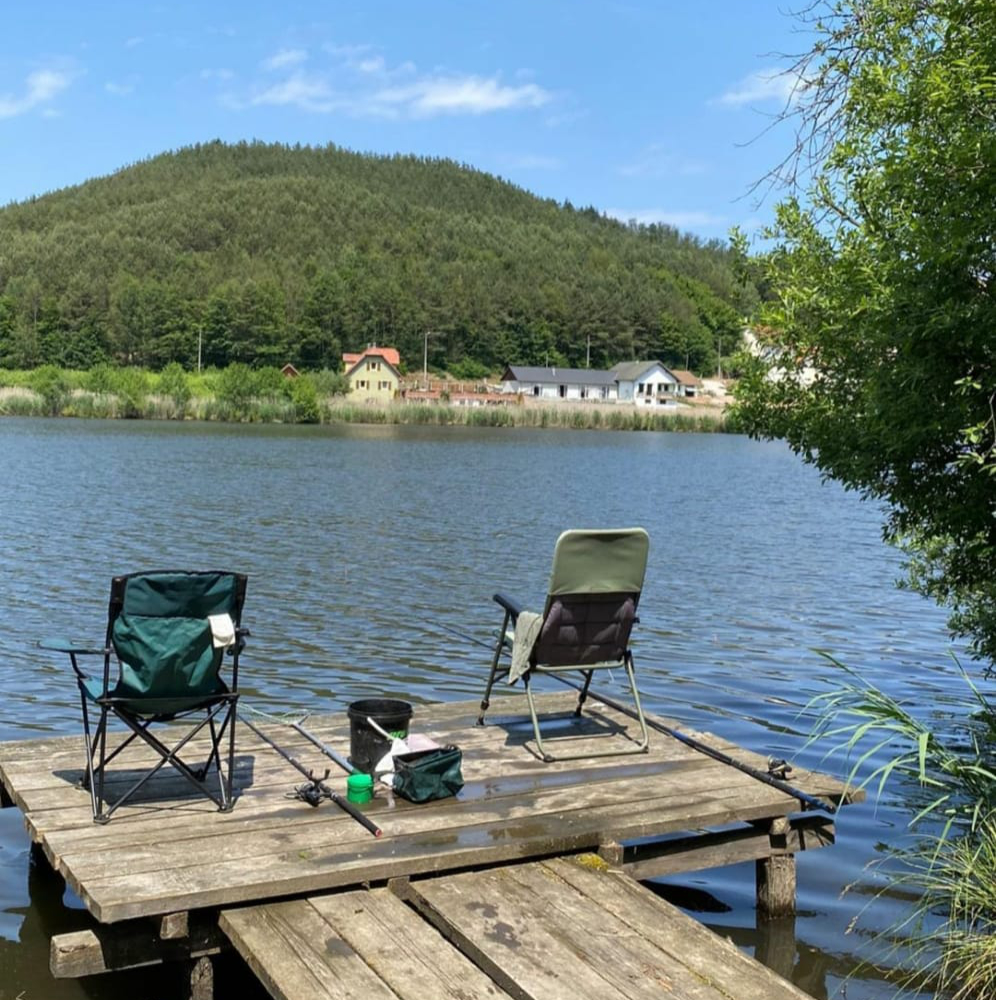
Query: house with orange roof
373	374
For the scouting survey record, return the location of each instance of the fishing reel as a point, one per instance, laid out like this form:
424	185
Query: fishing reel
312	791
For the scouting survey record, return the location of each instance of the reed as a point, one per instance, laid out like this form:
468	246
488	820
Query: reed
949	937
18	398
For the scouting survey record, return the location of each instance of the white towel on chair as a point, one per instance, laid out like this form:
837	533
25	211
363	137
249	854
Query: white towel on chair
223	631
526	630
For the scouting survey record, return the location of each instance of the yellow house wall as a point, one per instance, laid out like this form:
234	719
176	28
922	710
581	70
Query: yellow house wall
373	379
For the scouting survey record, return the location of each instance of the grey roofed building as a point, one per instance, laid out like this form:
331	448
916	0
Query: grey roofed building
557	376
629	371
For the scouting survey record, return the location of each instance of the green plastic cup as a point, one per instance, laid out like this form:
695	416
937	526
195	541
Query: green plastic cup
359	788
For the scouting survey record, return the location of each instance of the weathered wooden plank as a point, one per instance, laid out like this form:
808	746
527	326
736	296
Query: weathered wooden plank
405	951
725	847
328	827
128	946
706	955
225	882
542	937
298	955
352	945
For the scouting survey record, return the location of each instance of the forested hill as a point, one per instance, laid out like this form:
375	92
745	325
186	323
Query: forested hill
275	253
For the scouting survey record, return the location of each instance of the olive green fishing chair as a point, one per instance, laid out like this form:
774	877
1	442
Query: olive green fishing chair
163	660
597	577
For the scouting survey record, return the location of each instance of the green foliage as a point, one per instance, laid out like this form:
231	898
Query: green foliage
879	345
236	387
468	370
52	386
306	401
101	378
267	254
173	383
329	382
949	779
131	386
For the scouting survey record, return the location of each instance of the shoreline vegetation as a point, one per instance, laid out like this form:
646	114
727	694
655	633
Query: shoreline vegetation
242	395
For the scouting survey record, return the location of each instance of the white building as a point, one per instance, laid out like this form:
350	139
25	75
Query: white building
646	383
560	383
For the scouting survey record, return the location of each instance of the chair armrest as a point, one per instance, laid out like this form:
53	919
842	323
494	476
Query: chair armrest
512	607
61	645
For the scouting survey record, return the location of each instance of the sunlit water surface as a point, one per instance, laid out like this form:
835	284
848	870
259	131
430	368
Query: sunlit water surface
362	542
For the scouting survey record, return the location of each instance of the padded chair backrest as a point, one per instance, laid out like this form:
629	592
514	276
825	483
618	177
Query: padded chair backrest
158	626
594	589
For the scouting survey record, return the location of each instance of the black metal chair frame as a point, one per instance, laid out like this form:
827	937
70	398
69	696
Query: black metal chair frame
219	709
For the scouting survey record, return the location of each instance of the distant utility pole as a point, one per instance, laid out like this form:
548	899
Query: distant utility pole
427	333
588	350
199	350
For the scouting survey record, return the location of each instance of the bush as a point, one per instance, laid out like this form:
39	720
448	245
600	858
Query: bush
305	401
52	385
173	383
131	386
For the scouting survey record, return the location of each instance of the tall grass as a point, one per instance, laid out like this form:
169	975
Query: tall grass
949	938
128	393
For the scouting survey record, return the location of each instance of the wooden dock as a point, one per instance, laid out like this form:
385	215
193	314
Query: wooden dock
158	876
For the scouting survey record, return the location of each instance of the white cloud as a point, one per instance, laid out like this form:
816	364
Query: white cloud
217	74
119	89
456	95
310	93
360	83
654	216
764	86
285	58
40	87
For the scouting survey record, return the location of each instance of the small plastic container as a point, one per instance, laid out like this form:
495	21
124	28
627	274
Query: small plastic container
359	788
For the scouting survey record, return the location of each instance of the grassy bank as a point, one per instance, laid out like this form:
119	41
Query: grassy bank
247	398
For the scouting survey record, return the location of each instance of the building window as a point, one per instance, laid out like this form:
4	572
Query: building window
536	390
362	383
562	392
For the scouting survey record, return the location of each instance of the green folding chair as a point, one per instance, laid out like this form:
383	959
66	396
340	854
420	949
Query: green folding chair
597	577
163	661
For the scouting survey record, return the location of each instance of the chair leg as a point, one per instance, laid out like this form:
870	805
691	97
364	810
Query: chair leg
543	753
588	676
89	775
495	670
630	673
168	755
231	722
641	746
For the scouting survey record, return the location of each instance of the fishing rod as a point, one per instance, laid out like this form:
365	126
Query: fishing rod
767	778
329	751
317	788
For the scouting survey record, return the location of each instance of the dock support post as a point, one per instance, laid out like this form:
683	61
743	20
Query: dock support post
202	979
5	800
776	874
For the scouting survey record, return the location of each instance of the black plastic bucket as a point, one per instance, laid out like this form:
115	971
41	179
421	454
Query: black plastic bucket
367	746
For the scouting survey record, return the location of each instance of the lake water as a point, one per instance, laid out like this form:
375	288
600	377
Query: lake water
361	542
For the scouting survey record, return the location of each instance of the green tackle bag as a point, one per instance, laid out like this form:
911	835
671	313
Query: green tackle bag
425	775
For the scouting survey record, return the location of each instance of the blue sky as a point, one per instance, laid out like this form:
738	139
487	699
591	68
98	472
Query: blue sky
646	110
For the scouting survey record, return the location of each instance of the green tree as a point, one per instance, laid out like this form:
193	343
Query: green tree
879	360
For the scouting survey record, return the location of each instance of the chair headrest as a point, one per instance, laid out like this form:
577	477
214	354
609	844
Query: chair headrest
599	561
180	594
